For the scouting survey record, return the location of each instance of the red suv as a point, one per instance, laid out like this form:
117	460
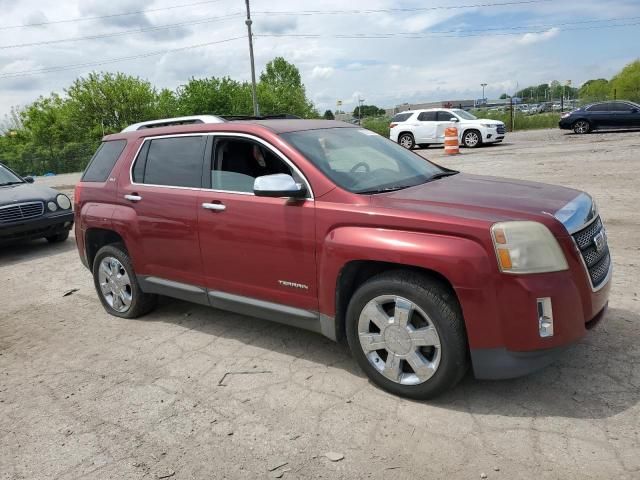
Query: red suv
332	228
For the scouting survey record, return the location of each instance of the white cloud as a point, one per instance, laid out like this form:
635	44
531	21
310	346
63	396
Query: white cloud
322	72
531	38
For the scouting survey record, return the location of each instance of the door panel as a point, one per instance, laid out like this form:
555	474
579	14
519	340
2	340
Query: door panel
259	247
425	130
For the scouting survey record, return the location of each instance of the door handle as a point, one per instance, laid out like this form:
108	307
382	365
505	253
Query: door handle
133	198
218	207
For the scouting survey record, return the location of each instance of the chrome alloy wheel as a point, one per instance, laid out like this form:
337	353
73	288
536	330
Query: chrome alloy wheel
581	127
399	340
406	141
115	284
471	139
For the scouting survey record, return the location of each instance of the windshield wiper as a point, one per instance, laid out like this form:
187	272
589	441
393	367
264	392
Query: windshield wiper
9	183
443	174
385	189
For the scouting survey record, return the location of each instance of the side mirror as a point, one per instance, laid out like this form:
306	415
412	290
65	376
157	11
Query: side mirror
454	119
278	185
29	179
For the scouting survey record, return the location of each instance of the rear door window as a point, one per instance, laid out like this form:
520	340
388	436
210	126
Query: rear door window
174	161
427	117
103	161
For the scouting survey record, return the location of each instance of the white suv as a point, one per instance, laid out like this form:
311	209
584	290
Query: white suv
426	127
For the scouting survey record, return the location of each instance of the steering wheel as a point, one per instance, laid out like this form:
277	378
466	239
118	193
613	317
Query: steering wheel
361	164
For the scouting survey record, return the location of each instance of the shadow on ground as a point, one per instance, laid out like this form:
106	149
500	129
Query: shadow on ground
594	379
11	254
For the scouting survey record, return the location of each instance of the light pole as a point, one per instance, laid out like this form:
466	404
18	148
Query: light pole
248	22
483	99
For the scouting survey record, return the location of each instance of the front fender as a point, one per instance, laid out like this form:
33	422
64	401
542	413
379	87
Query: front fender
462	261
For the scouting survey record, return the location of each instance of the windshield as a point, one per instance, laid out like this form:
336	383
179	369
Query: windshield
7	177
464	114
362	161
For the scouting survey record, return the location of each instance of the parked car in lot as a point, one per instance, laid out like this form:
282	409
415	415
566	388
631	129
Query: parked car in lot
422	270
426	127
602	115
30	211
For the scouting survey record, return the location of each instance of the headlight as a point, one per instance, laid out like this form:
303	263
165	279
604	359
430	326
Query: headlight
63	202
52	206
527	247
488	125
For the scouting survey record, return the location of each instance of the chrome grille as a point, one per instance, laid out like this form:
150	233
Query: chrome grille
501	129
596	260
21	211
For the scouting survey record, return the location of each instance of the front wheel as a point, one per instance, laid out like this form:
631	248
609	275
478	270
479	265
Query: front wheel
581	127
407	333
472	139
117	286
407	141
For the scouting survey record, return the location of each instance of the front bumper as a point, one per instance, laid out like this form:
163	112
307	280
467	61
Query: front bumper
44	226
500	363
565	124
493	135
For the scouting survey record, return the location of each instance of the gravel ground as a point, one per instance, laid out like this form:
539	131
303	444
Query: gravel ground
190	392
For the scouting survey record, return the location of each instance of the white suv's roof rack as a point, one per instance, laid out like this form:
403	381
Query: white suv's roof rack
165	122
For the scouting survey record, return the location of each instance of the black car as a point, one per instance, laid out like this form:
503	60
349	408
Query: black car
30	211
602	115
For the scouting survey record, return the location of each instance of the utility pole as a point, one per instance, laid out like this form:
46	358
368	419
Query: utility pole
360	102
248	22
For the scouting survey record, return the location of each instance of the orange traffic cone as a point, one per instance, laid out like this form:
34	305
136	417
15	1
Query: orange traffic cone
451	142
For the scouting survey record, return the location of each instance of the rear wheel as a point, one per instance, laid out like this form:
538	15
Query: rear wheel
407	141
407	334
472	139
117	286
581	127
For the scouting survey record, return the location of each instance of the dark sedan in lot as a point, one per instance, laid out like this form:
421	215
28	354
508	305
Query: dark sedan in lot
602	115
30	211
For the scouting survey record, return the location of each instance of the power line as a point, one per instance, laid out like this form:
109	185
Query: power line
113	15
407	9
75	66
413	35
123	33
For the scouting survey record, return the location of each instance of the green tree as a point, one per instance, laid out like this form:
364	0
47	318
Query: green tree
626	84
594	90
216	96
328	115
504	96
368	111
281	90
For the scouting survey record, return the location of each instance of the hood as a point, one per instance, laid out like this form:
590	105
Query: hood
25	192
490	199
485	120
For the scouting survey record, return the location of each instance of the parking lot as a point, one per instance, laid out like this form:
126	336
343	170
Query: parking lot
189	392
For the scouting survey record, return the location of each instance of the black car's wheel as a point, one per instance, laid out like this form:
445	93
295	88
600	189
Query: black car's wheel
407	140
117	286
407	333
472	139
581	127
58	238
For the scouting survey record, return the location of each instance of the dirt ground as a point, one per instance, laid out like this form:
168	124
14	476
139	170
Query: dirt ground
195	393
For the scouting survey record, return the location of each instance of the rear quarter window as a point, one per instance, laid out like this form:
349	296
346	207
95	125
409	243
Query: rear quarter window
103	161
401	117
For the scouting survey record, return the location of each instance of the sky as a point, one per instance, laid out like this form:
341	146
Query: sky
431	51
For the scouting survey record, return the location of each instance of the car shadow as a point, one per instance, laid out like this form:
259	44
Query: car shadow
604	131
14	253
580	384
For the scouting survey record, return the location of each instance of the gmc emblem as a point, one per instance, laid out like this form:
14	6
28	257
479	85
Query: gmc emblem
600	240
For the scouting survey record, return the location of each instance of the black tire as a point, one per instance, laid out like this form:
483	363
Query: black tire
407	141
581	127
141	303
59	237
442	307
472	139
424	145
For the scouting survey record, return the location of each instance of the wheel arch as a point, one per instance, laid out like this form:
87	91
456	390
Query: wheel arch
96	238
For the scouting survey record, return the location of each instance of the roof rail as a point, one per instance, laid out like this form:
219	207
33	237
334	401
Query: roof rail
282	116
165	122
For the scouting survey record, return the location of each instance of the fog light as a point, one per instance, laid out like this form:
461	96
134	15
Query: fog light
545	317
53	206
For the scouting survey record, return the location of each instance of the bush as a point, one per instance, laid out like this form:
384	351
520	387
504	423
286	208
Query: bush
522	121
380	125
